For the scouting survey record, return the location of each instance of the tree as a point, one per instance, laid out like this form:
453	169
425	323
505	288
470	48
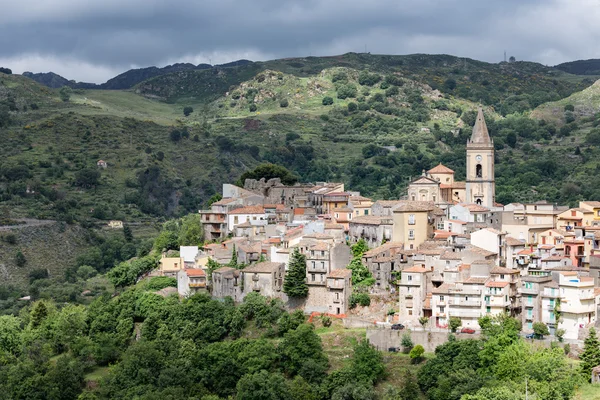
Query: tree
423	321
455	323
86	272
416	354
269	171
10	333
352	107
190	233
302	353
187	111
559	334
65	93
233	263
359	248
406	343
511	139
284	103
87	177
20	259
6	71
410	388
127	234
252	107
295	284
327	101
540	329
590	357
175	135
367	363
262	386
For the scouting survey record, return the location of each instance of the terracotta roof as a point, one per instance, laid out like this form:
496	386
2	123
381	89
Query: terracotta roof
389	203
195	272
438	211
501	270
526	252
455	185
569	273
316	235
440	169
384	247
474	207
443	234
511	241
444	288
369	220
319	246
586	279
248	210
476	280
496	284
430	252
359	198
246	224
415	206
554	258
451	255
340	273
597	291
264	267
223	202
333	226
456	221
481	251
594	204
416	268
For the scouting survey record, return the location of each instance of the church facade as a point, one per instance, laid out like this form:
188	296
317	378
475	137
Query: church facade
439	186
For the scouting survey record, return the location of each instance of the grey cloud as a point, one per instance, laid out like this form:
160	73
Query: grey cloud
114	35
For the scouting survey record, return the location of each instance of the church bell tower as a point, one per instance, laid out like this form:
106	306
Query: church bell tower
480	186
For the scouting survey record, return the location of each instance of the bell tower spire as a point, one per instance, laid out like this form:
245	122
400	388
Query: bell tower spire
480	187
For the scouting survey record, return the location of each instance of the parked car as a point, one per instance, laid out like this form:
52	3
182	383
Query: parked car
467	330
530	336
393	349
397	327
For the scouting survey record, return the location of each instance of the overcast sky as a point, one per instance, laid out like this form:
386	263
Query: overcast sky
94	40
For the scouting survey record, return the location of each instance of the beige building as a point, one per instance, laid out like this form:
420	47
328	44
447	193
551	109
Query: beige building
170	266
412	224
577	303
480	186
191	281
414	285
339	287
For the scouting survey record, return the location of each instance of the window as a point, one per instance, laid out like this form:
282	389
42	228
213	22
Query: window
410	311
441	298
322	264
478	171
323	253
530	325
411	219
312	277
488	309
411	234
529	313
337	215
254	218
356	212
366	212
529	300
312	264
501	276
434	198
312	253
235	220
442	310
409	277
413	198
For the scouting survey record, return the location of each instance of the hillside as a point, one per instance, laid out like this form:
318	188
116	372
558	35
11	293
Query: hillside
161	163
581	67
585	104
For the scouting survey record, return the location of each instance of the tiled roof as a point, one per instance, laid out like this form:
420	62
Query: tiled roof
456	221
438	211
594	204
250	248
319	246
474	207
340	273
481	251
497	284
389	203
482	262
248	210
368	220
384	247
415	206
417	268
476	280
223	202
264	267
444	288
451	255
511	241
554	258
501	270
440	169
443	234
333	226
526	252
430	252
195	272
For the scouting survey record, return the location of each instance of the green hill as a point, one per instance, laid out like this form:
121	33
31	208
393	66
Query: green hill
161	163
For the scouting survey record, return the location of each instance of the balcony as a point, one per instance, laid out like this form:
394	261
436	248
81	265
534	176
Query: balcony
465	303
317	283
317	269
587	296
198	285
530	291
466	313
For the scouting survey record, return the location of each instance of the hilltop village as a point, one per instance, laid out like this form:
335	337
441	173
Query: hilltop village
447	249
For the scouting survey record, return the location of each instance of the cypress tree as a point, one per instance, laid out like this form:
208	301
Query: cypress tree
590	357
294	284
233	263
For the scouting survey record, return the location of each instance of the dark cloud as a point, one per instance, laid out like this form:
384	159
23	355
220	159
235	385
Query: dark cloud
90	40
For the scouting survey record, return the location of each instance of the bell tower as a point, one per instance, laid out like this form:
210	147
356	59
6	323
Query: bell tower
481	187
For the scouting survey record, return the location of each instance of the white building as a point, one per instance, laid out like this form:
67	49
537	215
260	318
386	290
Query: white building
255	215
577	302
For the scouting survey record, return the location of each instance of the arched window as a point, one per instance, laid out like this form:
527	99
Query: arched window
478	201
478	171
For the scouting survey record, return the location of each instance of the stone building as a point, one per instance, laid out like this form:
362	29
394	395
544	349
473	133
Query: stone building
339	288
265	278
226	282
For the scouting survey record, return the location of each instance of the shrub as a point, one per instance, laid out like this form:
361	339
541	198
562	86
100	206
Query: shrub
20	259
346	91
406	343
559	334
540	329
367	79
569	107
455	323
392	91
9	238
416	354
361	299
175	135
187	110
252	107
326	320
339	76
327	101
352	107
284	103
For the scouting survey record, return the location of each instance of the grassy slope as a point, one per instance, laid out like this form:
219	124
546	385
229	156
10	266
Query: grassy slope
586	103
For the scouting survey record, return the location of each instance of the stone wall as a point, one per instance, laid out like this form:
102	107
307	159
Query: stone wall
383	338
